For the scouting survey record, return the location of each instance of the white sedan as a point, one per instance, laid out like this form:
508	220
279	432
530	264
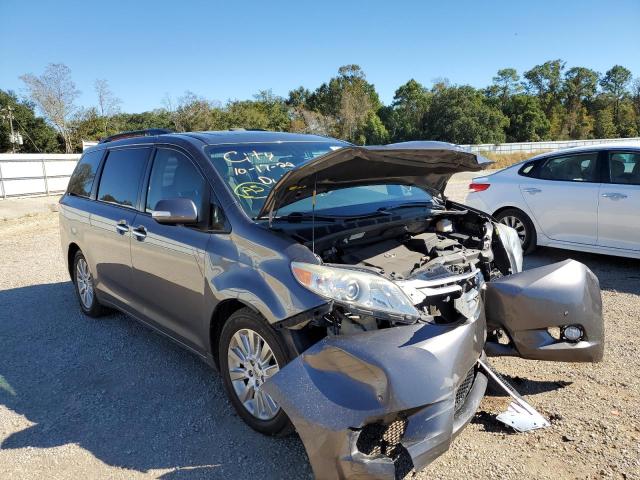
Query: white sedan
585	198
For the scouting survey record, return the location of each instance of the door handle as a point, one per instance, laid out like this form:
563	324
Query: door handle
122	227
614	195
139	232
531	190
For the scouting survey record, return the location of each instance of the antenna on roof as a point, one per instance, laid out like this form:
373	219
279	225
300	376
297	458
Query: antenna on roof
313	215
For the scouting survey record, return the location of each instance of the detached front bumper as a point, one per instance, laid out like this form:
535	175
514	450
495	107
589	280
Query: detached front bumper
376	404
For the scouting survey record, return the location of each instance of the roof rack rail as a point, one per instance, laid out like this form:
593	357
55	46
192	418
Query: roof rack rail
149	132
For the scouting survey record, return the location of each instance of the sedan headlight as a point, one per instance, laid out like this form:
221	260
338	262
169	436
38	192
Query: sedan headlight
353	288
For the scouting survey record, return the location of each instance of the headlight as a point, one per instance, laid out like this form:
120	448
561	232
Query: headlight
354	288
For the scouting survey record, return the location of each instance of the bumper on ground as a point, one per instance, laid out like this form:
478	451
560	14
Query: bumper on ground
376	404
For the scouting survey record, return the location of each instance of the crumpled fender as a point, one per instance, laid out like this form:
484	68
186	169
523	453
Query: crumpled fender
526	304
345	382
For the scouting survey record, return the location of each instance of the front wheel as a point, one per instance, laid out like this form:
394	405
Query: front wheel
522	224
249	353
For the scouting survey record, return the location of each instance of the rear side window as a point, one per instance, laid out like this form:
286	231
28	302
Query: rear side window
528	169
624	168
570	168
121	176
81	181
174	176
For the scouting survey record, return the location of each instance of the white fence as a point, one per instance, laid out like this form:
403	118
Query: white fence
35	173
530	147
23	174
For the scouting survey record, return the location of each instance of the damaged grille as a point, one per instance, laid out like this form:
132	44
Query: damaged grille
378	439
464	388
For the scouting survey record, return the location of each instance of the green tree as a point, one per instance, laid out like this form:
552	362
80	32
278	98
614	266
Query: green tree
527	121
373	132
615	84
505	84
403	119
461	115
604	126
38	136
545	81
348	98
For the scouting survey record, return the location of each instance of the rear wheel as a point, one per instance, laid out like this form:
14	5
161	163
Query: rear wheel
522	224
249	353
85	287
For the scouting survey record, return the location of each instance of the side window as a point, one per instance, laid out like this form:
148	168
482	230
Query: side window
624	168
121	176
174	176
528	169
570	168
81	181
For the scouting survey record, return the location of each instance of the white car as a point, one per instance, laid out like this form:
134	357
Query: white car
584	198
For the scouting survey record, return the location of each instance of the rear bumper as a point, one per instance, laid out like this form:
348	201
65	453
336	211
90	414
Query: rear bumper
376	404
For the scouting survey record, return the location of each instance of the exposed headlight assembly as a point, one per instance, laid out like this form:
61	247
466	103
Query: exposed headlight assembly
356	289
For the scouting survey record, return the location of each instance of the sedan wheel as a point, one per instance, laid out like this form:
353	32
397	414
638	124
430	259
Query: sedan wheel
518	226
251	362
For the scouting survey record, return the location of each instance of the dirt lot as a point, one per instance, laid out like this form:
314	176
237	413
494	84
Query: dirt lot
84	398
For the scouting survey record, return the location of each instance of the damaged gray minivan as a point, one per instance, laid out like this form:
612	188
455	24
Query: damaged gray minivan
335	287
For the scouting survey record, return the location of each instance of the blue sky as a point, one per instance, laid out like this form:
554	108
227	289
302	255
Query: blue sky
230	50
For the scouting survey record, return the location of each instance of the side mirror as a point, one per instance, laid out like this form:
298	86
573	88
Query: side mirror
175	211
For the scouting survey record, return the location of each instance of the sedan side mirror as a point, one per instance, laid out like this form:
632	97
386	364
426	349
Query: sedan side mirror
177	211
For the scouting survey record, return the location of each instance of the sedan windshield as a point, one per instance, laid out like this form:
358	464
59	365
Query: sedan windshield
251	171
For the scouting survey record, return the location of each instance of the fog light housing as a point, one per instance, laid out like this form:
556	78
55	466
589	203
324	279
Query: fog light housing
573	333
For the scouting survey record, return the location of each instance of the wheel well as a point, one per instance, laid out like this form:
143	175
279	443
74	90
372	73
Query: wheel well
220	315
502	209
71	254
533	225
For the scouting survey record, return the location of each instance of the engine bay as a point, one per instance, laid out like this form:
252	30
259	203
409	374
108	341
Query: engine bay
440	261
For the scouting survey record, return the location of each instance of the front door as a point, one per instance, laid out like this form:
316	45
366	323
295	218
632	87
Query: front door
619	205
564	197
168	260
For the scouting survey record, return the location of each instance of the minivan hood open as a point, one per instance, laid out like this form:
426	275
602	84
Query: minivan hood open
425	164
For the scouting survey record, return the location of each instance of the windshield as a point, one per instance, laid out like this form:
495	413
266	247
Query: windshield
251	171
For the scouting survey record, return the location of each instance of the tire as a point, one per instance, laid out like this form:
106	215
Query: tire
519	220
85	287
257	409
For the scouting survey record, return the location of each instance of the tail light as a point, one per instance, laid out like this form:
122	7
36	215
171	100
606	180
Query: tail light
478	187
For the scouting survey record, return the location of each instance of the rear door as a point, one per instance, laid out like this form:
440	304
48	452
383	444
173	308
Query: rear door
619	206
562	194
168	260
111	218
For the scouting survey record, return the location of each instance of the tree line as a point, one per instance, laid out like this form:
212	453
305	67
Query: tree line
548	102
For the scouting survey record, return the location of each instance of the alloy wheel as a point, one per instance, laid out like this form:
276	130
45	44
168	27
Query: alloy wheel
517	225
84	283
251	362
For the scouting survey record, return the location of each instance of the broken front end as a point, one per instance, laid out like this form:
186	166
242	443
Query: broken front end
391	366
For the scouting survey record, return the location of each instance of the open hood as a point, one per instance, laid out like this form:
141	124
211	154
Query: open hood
427	165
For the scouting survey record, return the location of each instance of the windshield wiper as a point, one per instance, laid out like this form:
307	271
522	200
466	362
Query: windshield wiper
304	217
405	205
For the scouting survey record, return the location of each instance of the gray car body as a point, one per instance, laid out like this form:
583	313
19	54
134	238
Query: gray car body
185	282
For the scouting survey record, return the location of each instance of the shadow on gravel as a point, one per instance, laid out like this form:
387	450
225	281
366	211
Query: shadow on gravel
615	273
127	395
491	424
524	386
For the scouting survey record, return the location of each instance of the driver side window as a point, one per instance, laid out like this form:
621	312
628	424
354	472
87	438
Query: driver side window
173	175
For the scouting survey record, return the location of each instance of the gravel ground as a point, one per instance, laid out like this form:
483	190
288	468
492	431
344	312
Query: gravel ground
84	398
